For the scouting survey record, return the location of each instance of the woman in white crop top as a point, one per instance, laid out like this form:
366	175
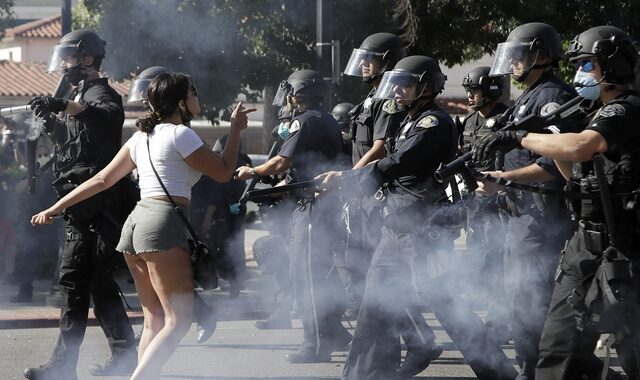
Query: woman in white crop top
153	236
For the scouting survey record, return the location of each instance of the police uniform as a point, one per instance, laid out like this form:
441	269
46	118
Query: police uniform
397	284
532	245
85	144
373	119
313	146
581	304
484	226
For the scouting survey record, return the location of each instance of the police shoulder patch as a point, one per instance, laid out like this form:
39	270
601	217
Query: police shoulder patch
549	108
490	123
390	106
612	110
294	127
428	122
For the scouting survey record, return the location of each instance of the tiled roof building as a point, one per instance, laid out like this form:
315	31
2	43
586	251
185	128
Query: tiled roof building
48	27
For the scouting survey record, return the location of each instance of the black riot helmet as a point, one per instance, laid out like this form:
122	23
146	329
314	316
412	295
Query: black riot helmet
386	48
307	84
417	70
489	86
66	56
523	46
341	113
139	86
613	48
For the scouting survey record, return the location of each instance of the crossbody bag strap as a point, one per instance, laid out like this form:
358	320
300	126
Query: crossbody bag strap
184	218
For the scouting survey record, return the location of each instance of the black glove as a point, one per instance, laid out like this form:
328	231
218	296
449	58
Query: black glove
42	105
504	141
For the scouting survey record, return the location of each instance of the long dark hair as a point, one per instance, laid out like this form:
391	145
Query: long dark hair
164	93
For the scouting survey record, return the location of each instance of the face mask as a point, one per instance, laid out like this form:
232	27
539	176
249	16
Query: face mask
283	131
586	86
185	115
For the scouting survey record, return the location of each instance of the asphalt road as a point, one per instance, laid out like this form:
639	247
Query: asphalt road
237	351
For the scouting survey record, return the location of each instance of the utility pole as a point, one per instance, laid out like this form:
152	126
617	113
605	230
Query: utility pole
66	16
324	46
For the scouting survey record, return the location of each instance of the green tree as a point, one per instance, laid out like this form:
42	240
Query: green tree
6	16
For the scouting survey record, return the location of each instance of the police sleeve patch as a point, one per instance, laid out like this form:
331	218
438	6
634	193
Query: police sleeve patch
612	110
549	108
294	127
428	122
390	107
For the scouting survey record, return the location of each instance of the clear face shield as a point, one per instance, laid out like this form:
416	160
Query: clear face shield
138	91
363	63
514	58
284	90
399	85
63	57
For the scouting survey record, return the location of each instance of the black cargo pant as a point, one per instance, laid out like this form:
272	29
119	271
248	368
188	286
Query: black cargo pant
398	285
353	259
319	292
533	249
85	274
567	353
485	242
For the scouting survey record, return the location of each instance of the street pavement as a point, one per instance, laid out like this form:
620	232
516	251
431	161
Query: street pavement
236	351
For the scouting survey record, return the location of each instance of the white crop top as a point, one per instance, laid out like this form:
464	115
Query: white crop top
169	144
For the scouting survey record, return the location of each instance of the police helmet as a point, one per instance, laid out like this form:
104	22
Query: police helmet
490	87
525	44
304	83
73	46
613	48
417	70
341	113
138	91
387	48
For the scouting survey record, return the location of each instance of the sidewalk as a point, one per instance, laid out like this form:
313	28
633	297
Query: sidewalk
253	302
44	310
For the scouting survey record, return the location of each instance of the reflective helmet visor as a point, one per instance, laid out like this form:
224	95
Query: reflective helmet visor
513	56
359	63
398	85
284	90
138	90
63	57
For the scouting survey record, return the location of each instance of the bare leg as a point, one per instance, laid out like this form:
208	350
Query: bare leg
172	281
151	306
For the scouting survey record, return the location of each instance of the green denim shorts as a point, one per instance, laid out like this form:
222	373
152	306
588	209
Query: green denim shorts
153	226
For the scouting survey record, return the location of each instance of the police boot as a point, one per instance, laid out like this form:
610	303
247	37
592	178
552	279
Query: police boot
308	356
52	370
275	321
417	360
120	364
206	328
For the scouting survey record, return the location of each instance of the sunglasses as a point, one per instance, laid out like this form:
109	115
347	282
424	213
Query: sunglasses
194	92
585	64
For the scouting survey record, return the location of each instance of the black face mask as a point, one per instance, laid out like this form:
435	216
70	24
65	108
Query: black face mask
75	75
186	115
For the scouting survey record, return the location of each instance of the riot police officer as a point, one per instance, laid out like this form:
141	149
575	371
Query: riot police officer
312	147
86	139
205	316
484	227
538	225
341	112
411	204
374	121
597	280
